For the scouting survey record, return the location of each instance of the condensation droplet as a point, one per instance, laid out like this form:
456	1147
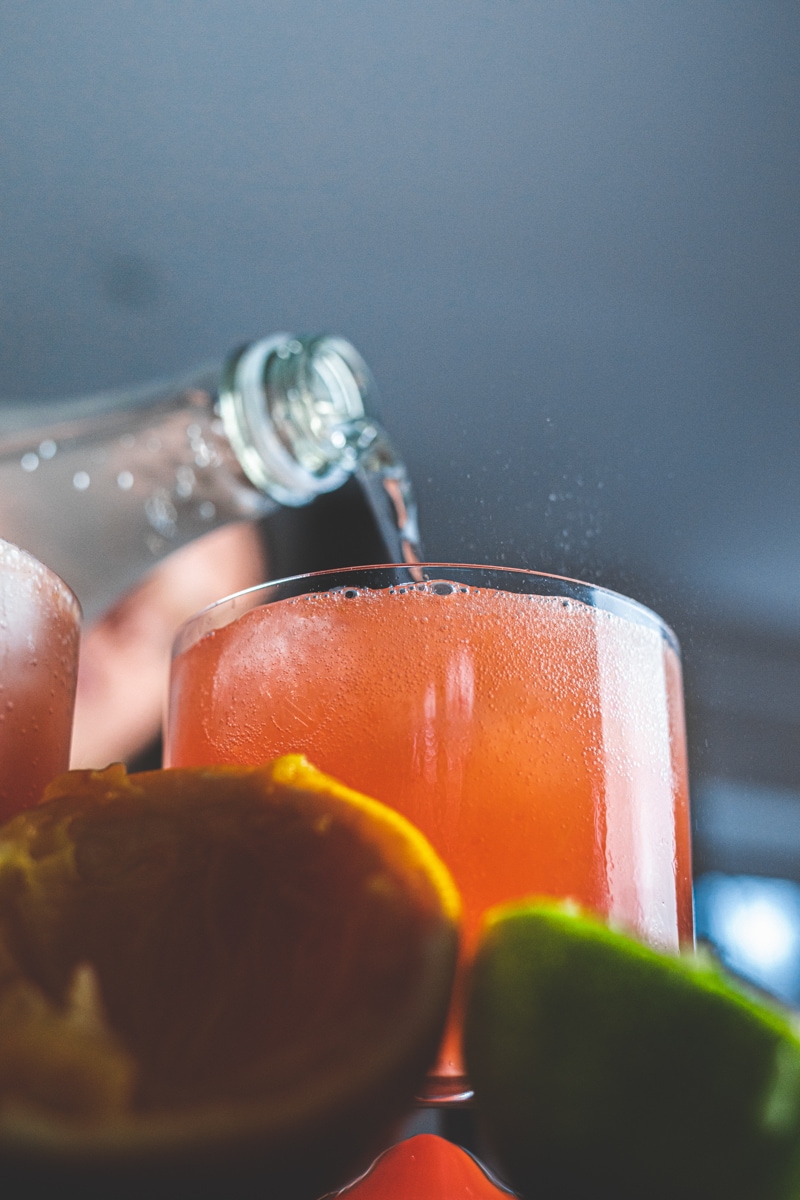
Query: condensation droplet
125	481
81	480
29	461
161	513
207	510
47	448
186	480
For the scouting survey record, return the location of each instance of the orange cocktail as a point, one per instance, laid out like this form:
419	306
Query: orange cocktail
39	634
532	727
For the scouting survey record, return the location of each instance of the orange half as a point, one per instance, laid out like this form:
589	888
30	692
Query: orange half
214	980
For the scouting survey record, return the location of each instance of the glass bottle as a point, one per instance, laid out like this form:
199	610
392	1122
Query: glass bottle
113	482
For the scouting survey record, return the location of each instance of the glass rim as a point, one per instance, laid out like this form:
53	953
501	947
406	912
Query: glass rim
36	564
543	583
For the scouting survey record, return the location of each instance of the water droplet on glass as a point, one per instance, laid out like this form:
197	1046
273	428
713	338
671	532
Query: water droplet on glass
185	478
47	448
29	461
161	513
125	481
81	480
207	510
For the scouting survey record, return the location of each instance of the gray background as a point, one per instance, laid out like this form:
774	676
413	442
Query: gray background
564	234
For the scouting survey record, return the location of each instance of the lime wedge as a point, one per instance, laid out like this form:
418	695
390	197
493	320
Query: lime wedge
604	1068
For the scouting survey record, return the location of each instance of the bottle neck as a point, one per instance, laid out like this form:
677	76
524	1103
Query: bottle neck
302	415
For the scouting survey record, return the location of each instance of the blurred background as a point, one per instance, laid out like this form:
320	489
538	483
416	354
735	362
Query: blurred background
566	237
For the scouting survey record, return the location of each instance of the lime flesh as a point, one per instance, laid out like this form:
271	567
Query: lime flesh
604	1068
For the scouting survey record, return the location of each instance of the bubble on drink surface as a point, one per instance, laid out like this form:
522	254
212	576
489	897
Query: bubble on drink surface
429	587
344	593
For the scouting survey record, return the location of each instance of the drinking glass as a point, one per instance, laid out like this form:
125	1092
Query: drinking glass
531	726
39	635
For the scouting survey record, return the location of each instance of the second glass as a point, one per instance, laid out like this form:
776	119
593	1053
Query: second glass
40	622
531	726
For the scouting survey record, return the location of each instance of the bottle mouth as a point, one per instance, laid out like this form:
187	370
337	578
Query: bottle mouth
300	413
